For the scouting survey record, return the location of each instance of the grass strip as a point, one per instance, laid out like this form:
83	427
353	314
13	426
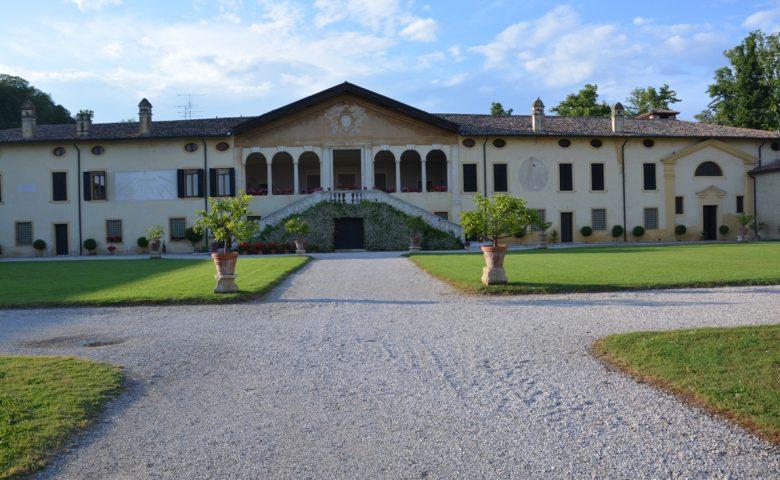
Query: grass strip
594	269
733	372
43	400
132	282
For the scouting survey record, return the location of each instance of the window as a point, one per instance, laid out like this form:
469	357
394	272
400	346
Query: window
469	142
651	218
648	143
176	226
598	219
499	143
113	231
222	182
649	176
499	177
24	233
59	186
469	177
740	204
678	205
191	147
254	218
1	188
58	151
597	177
565	177
222	146
595	143
444	215
542	215
95	185
708	169
98	150
190	182
564	143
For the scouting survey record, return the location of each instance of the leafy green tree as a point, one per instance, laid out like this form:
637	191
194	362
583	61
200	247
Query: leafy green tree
643	100
746	93
497	217
226	220
583	104
14	91
497	109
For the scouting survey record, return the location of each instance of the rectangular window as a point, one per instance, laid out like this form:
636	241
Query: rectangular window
566	183
444	215
469	177
190	183
499	177
176	226
598	219
1	188
59	186
542	215
597	177
678	205
24	233
740	204
113	231
649	176
95	185
222	182
651	218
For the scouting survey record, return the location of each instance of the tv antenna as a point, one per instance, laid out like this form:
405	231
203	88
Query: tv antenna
189	109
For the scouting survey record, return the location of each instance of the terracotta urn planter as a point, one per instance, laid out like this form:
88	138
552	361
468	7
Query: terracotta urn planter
154	249
226	272
542	239
493	272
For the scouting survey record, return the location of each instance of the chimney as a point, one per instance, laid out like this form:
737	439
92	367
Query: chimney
537	116
661	114
83	122
618	118
145	117
28	119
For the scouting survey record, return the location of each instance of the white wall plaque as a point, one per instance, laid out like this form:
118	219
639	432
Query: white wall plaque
147	185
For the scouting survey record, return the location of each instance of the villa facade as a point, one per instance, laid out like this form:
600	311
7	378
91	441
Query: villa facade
110	182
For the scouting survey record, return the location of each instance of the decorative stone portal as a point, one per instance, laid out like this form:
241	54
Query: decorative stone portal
348	234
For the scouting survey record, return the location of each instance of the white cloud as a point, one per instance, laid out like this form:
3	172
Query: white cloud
639	21
420	29
766	20
456	54
94	4
452	81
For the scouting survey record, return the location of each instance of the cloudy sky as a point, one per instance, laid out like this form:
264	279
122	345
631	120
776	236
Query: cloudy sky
245	57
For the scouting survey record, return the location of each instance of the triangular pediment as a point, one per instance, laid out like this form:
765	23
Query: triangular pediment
714	144
711	191
347	115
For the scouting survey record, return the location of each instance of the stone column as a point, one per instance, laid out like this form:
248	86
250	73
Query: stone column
268	153
369	168
398	173
453	165
327	168
296	185
424	174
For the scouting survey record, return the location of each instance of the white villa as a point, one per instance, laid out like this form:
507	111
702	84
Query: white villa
110	182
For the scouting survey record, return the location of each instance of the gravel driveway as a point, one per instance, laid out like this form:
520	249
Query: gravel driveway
362	366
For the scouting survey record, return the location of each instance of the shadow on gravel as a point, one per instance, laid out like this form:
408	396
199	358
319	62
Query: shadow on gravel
357	301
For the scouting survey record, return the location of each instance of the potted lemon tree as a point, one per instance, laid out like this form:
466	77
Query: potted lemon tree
153	236
493	219
298	228
226	221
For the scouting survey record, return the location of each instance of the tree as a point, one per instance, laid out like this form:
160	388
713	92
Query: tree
14	91
582	104
746	93
497	109
643	100
226	220
496	218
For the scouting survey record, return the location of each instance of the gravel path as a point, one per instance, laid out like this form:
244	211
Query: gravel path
361	366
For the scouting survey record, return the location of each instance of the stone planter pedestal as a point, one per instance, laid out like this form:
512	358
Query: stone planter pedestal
493	272
154	249
300	247
226	272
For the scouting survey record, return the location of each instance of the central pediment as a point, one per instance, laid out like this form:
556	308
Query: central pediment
345	115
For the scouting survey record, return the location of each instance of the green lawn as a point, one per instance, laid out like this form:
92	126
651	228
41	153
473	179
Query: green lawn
731	371
613	268
116	282
43	400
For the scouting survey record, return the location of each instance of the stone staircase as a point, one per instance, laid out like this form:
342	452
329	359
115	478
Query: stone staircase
357	196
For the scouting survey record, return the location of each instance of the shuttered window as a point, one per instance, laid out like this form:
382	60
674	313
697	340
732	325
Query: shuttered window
222	182
190	183
566	183
499	177
649	176
470	177
597	177
678	205
59	186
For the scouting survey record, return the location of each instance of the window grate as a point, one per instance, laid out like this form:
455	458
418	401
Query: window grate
651	218
598	219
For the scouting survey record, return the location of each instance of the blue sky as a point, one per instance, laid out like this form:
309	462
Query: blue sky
245	57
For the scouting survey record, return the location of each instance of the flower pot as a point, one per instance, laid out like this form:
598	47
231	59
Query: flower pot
154	249
300	247
226	272
542	239
493	273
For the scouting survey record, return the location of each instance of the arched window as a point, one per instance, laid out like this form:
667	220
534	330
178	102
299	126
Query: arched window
708	169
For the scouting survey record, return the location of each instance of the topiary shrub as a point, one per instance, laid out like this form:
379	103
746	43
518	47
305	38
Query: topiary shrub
638	231
90	244
142	242
193	236
617	231
586	231
723	230
680	230
39	245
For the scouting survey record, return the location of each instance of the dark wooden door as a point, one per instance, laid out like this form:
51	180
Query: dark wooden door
710	222
567	227
61	238
348	234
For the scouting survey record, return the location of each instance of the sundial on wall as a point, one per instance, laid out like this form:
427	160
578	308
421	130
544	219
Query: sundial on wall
533	174
345	118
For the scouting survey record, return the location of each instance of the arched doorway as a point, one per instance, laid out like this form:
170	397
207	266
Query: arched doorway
436	171
411	171
309	173
256	174
384	171
282	174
